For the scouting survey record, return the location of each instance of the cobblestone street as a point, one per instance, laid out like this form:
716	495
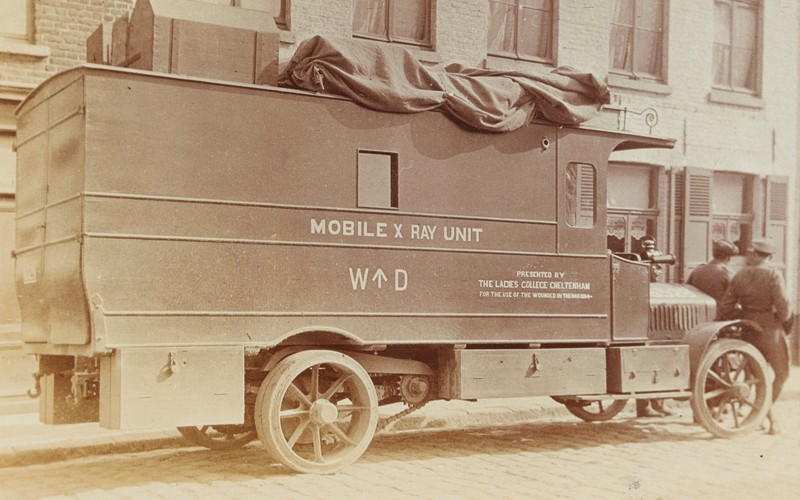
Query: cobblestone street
556	458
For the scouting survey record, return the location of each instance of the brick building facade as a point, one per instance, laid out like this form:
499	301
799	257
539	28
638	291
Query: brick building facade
731	175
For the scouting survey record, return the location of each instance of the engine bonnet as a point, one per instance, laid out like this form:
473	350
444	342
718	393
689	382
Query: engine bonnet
675	309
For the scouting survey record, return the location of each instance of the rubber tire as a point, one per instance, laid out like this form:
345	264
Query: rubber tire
702	414
607	414
197	436
271	396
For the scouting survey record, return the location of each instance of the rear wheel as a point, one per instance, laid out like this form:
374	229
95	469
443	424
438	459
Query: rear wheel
731	394
317	411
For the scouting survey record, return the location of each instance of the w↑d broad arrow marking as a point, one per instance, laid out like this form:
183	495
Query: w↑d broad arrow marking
380	277
359	278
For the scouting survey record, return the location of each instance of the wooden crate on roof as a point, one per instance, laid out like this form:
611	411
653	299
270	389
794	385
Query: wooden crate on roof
203	40
98	45
119	41
108	44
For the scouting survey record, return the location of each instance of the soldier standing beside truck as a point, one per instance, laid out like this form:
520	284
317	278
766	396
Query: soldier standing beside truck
759	291
651	407
714	277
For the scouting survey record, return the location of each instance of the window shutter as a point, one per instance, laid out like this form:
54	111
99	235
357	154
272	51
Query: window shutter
679	185
586	197
696	211
776	215
676	225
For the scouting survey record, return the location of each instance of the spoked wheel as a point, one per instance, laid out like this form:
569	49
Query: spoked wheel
219	437
317	411
594	411
731	393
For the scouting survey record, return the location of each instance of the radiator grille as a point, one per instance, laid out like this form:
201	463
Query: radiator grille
676	317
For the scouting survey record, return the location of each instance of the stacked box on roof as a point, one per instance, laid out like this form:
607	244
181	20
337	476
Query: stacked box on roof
109	43
204	40
98	45
119	42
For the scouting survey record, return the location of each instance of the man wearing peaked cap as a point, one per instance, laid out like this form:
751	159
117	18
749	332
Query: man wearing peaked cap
726	247
651	407
763	246
759	291
714	277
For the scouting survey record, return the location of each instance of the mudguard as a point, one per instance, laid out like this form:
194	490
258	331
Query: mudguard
702	335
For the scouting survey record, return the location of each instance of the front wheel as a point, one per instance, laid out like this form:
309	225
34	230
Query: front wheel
731	394
317	411
594	411
219	437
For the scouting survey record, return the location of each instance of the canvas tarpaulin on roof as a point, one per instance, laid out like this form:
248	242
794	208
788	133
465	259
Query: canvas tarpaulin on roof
389	78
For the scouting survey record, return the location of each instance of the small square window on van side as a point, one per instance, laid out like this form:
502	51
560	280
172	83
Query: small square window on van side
377	179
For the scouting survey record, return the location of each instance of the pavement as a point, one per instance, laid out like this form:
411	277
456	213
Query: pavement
24	440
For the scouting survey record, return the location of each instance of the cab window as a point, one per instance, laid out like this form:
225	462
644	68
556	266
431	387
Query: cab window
581	195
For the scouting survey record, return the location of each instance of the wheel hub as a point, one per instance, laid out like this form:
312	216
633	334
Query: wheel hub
740	390
323	412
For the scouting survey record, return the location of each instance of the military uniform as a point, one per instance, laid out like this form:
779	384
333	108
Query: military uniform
760	292
651	407
714	277
648	253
